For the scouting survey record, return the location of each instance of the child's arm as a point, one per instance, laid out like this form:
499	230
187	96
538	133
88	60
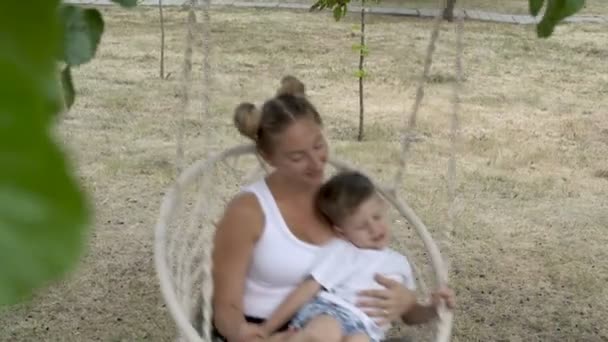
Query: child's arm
296	299
420	314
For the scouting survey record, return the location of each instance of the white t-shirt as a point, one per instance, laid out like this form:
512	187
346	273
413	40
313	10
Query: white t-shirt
343	270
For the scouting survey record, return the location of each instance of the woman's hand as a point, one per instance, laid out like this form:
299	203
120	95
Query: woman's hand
249	332
389	304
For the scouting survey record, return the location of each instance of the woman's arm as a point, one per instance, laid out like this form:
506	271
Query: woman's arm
396	301
236	235
296	299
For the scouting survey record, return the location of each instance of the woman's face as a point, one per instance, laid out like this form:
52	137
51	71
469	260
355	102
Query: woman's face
300	153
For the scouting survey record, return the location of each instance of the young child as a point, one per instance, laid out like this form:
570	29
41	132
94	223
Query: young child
346	265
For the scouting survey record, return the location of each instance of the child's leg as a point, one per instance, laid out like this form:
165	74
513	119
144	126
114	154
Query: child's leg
284	336
361	337
322	328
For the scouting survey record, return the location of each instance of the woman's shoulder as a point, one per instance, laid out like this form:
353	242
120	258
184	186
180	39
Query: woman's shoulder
255	186
244	204
242	214
247	199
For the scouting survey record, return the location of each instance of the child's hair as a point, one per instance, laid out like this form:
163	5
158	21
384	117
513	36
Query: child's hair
341	195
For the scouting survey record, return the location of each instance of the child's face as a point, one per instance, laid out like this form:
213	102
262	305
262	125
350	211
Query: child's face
366	227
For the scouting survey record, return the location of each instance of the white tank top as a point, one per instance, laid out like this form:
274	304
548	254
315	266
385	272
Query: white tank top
280	260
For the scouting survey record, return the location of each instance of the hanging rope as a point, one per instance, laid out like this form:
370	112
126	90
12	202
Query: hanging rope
455	124
206	40
409	136
443	334
185	86
204	239
184	91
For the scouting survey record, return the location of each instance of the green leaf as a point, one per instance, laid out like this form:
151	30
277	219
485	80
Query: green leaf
545	28
568	8
317	6
339	7
42	213
365	51
557	10
126	3
360	73
82	33
535	6
339	12
20	47
361	49
42	210
68	86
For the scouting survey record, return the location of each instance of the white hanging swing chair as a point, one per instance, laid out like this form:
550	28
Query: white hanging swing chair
184	230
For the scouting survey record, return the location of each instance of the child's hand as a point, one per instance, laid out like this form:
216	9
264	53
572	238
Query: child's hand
445	295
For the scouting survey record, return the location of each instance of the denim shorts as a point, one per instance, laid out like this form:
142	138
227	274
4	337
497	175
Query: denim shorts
350	323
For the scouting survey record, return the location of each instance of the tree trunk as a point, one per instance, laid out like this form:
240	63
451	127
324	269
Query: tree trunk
361	71
448	11
162	40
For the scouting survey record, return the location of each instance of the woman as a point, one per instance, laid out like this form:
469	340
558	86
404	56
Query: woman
267	239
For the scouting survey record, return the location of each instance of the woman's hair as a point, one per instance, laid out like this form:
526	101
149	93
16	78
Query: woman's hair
342	194
289	104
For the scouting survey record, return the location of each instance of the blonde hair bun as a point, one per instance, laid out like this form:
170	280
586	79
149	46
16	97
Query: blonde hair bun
290	85
247	120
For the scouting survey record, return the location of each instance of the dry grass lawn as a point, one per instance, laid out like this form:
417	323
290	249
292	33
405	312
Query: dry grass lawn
528	259
503	6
